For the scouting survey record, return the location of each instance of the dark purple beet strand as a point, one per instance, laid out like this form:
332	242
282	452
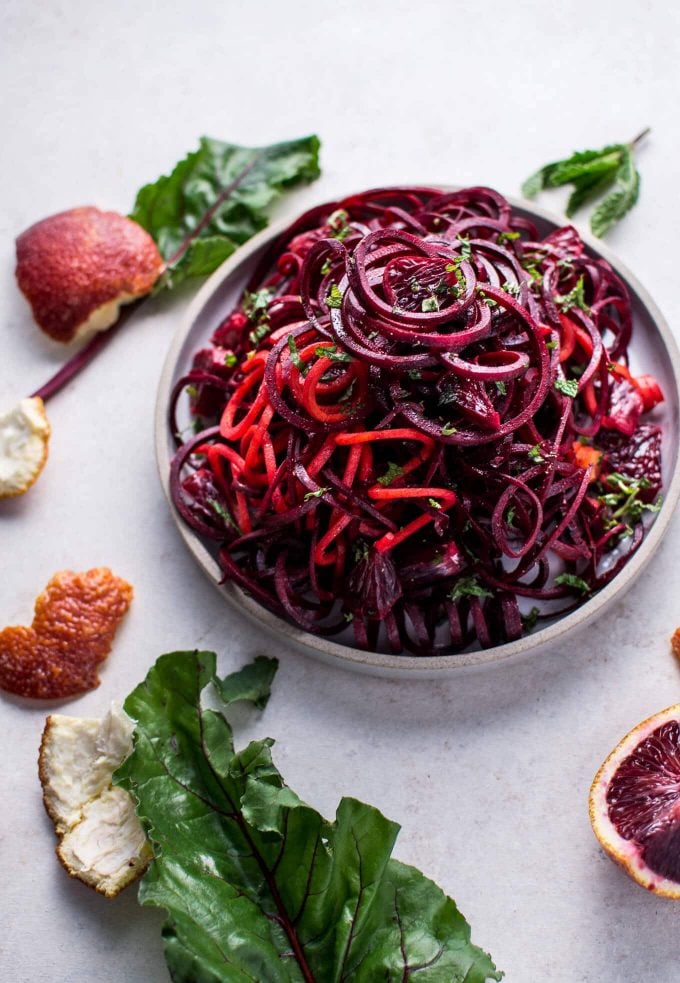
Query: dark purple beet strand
420	421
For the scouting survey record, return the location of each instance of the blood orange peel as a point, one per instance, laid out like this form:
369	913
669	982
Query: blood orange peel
76	268
76	618
675	643
634	803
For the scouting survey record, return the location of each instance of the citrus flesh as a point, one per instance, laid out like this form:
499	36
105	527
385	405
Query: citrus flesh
635	803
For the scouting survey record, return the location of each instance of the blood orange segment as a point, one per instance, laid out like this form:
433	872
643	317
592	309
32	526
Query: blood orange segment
635	803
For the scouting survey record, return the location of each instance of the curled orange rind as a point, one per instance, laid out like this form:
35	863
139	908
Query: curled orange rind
75	621
76	268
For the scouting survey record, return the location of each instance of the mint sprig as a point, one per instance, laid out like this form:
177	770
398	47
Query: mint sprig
610	171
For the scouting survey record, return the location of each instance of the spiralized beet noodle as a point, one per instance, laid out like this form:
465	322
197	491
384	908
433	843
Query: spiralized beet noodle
420	420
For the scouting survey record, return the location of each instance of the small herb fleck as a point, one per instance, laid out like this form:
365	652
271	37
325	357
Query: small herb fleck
575	298
315	494
220	510
569	387
393	472
465	247
294	354
334	298
468	587
506	237
332	353
512	288
529	620
571	580
255	304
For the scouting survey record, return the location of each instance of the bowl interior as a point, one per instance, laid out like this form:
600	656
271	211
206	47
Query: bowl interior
652	350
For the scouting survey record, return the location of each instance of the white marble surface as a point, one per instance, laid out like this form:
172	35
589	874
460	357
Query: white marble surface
487	774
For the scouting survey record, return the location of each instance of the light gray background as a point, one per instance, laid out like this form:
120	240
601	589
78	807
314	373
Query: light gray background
487	774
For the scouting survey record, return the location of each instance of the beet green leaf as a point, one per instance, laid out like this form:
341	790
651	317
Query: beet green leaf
256	884
216	198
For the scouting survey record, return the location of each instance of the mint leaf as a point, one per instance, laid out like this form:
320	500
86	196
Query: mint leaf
592	173
586	189
622	198
255	883
216	199
586	163
538	181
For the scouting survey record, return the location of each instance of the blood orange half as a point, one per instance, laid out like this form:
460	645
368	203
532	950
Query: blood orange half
635	803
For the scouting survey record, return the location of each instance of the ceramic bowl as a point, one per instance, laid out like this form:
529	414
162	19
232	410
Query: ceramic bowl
653	350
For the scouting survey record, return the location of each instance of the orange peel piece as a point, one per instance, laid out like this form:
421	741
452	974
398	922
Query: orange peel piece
77	267
24	440
675	643
75	621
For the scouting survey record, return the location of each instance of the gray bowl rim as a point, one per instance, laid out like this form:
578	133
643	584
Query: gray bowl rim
376	663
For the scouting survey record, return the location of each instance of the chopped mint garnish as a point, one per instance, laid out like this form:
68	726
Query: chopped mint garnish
315	494
575	298
294	354
529	620
567	386
468	587
393	472
334	298
571	580
506	237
